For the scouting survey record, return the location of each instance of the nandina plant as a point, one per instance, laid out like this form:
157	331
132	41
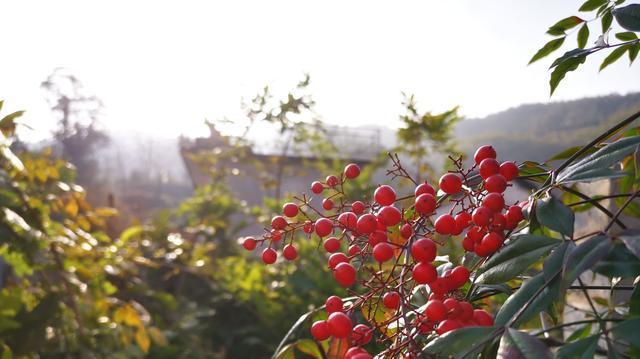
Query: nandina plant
407	301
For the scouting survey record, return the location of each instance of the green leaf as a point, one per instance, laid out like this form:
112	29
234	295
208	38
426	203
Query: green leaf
548	48
522	251
520	345
628	330
605	157
561	69
633	53
618	263
631	239
584	257
628	17
591	5
634	302
575	53
626	36
614	56
561	26
8	125
525	294
459	342
607	19
581	333
555	215
581	349
583	36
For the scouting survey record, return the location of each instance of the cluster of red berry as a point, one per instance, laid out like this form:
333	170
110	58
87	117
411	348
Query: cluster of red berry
399	234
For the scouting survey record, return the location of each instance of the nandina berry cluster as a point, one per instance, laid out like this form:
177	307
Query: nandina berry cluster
388	244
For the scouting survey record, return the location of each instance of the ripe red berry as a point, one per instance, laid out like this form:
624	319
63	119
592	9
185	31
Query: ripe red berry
425	203
476	233
376	237
333	304
332	181
491	241
447	326
463	219
345	274
499	222
384	195
357	207
308	227
439	286
424	250
351	171
482	250
357	353
317	187
482	318
453	307
459	276
269	256
509	170
435	310
249	243
367	223
482	216
424	273
337	258
489	167
278	222
406	231
514	214
445	224
424	188
354	249
289	252
340	324
276	235
391	300
362	334
495	183
493	201
468	244
320	330
332	244
327	204
348	220
290	210
484	152
323	227
389	216
450	183
466	313
382	252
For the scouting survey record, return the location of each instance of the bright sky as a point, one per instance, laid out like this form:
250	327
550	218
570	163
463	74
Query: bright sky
164	66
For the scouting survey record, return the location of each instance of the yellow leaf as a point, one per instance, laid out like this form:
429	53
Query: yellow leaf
127	315
71	208
142	338
157	336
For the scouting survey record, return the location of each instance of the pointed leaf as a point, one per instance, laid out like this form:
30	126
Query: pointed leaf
561	26
628	17
626	36
555	215
583	36
618	263
458	342
613	56
528	292
628	330
581	349
631	239
584	257
568	65
607	19
591	5
548	48
520	345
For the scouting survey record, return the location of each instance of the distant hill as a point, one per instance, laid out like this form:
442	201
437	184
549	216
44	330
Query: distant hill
538	131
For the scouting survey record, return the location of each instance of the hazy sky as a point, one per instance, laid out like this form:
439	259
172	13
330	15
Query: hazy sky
163	67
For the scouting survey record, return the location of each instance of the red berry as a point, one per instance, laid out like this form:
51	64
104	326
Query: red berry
384	195
278	222
493	201
482	216
337	258
361	334
435	310
424	188
424	250
484	152
354	249
476	233
317	187
439	286
447	326
391	300
390	216
509	170
357	353
289	252
382	252
339	324
495	183
445	224
468	244
332	181
320	330
327	204
333	304
425	203
351	171
482	250
489	167
482	318
406	231
323	227
463	219
276	235
499	222
492	241
357	207
459	276
332	244
466	311
348	220
290	210
249	243
308	227
424	273
367	223
345	274
450	183
269	256
514	214
453	307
